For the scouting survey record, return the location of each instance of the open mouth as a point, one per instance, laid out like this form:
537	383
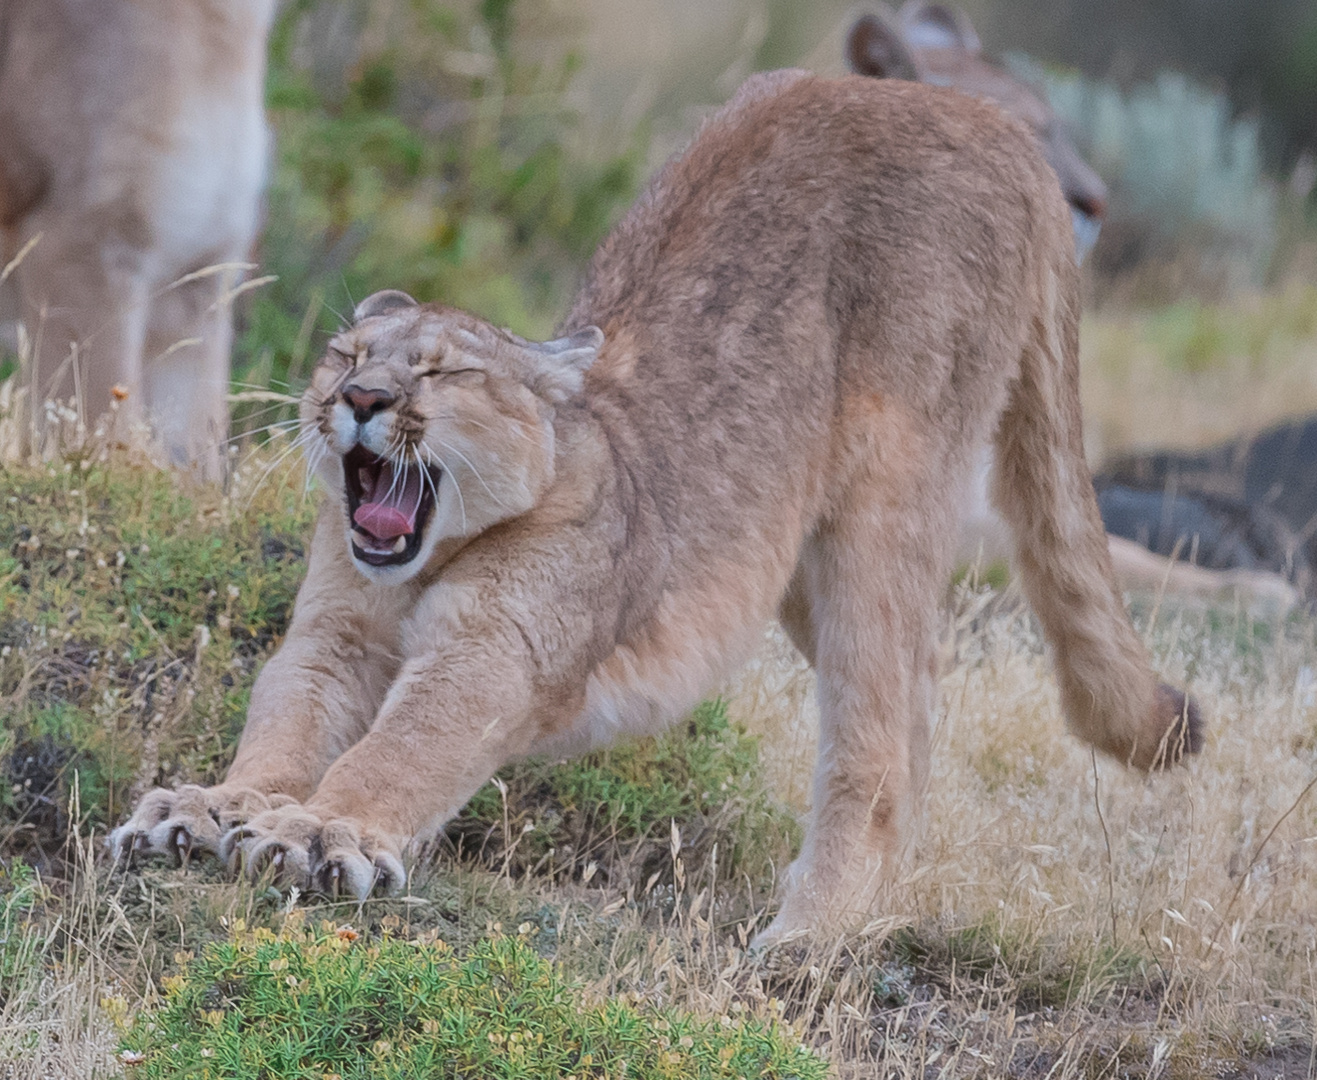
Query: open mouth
388	505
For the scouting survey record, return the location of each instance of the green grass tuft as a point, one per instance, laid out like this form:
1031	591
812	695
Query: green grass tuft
1019	966
615	809
22	944
307	1004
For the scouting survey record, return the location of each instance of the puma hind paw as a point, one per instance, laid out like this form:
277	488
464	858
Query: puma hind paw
297	847
185	822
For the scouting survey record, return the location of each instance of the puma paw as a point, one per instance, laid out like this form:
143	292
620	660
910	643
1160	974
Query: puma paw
299	847
190	820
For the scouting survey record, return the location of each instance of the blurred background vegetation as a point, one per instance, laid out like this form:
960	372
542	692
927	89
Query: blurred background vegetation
475	151
425	146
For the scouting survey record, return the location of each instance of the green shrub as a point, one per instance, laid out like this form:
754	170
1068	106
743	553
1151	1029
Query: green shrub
312	1004
421	146
1187	177
612	812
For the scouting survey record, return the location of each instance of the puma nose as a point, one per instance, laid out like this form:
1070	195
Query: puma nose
1090	204
366	403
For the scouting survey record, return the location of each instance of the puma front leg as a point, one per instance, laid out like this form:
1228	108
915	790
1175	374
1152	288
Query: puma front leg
460	708
313	700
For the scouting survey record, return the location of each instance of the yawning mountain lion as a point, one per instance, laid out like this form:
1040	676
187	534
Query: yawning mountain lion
766	403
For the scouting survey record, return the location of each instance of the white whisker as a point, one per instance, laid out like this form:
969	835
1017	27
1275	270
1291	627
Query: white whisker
426	478
461	502
278	427
475	472
395	447
302	439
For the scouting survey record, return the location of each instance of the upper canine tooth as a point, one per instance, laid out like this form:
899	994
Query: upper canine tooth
400	545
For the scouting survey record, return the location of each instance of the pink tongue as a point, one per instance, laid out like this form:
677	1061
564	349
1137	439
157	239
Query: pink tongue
395	514
382	521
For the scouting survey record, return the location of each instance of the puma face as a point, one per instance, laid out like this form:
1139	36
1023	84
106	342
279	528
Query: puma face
430	424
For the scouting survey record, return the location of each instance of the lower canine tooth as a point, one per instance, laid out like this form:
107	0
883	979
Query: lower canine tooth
400	545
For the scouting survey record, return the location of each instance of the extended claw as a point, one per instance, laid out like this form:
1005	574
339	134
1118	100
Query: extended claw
267	858
259	852
231	847
351	873
126	845
179	825
330	878
183	845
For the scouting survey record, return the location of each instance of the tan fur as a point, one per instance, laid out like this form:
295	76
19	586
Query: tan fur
1138	568
132	150
810	319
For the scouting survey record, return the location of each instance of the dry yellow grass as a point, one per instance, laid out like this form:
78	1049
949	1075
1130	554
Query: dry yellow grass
1191	374
1198	887
1058	916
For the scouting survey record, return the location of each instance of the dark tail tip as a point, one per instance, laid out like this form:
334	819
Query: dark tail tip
1186	731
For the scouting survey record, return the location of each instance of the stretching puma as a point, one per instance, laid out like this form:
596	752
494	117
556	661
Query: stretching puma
132	155
768	403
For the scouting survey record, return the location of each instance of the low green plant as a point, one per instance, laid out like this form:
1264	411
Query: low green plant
309	1004
21	945
615	812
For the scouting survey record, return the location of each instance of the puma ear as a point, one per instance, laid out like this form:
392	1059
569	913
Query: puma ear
938	26
381	303
560	365
874	48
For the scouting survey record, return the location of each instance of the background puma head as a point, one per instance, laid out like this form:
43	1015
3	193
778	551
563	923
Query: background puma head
935	43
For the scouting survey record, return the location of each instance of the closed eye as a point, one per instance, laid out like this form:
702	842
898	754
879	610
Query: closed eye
450	372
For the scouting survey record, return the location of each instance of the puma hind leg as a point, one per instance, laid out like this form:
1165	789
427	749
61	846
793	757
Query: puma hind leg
870	634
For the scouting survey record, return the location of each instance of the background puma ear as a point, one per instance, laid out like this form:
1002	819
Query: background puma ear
560	365
874	48
938	26
381	303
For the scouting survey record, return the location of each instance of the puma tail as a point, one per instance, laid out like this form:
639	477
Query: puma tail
1042	488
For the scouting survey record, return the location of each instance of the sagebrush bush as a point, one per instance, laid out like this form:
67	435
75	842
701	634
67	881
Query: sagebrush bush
308	1004
1187	176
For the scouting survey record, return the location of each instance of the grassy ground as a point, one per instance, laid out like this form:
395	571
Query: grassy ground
1190	373
1057	916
